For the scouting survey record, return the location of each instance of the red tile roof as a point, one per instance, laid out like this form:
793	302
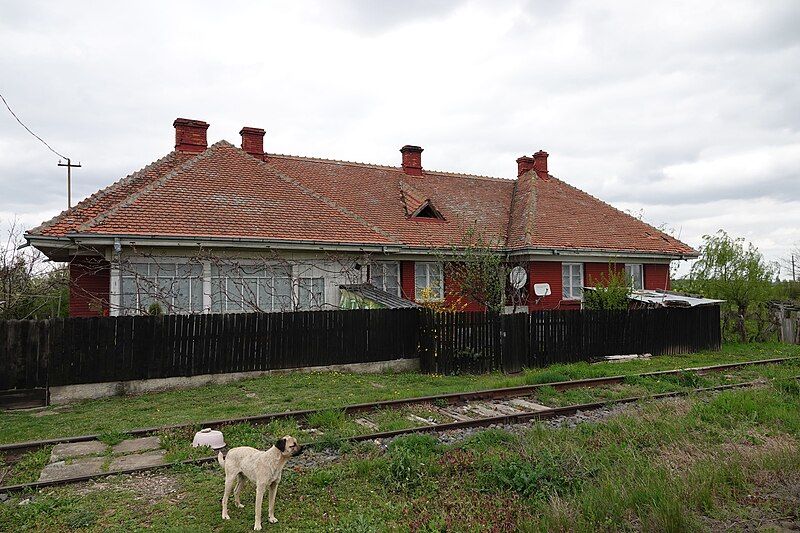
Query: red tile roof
224	192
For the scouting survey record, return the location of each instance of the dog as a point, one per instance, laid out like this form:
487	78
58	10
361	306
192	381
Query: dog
262	468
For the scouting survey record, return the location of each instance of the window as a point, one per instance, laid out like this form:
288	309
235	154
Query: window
310	293
572	281
427	210
429	281
385	276
248	288
175	287
635	273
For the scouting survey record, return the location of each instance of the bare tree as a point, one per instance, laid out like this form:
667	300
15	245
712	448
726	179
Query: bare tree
791	263
31	286
477	272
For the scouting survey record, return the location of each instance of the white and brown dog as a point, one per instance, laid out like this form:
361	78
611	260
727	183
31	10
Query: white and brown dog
262	468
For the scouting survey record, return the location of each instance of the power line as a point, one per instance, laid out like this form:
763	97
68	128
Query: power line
28	129
68	164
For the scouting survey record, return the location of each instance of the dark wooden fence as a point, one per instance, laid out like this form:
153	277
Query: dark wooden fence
477	342
38	354
93	350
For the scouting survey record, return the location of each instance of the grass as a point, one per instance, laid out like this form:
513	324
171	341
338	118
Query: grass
730	459
333	425
112	416
27	469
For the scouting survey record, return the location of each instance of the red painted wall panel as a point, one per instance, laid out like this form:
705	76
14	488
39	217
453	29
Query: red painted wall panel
452	298
544	272
656	277
89	287
407	280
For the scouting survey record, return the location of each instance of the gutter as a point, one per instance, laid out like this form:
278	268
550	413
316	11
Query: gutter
600	252
76	239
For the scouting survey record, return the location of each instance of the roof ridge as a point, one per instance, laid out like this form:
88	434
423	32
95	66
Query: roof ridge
510	220
98	195
628	215
530	209
128	200
387	167
324	199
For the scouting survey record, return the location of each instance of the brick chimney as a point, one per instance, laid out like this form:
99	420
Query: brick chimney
190	135
540	163
412	160
524	164
253	141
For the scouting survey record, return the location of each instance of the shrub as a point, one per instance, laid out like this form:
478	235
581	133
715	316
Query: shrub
610	292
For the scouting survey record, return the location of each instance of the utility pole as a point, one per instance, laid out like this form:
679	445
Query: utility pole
69	166
793	276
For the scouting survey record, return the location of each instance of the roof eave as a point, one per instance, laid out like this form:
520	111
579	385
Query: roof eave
81	239
602	252
226	242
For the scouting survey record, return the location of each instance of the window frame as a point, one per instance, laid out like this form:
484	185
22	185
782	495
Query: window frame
571	289
238	278
417	289
630	276
382	265
310	292
158	271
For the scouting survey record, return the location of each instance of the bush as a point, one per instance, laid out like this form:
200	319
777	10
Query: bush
610	292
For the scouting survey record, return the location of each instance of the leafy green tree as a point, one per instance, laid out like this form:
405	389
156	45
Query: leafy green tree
734	270
610	291
30	287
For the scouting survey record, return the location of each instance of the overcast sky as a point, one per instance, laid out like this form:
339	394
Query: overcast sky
688	112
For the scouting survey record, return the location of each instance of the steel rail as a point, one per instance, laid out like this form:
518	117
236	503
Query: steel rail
449	398
480	422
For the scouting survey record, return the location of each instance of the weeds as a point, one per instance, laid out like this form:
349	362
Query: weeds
317	390
488	439
112	438
662	466
29	466
282	427
329	420
545	475
410	461
790	386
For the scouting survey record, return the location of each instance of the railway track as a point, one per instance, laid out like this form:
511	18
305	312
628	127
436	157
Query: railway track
510	405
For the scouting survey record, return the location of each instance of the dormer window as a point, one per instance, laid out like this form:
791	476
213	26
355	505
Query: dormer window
417	205
426	210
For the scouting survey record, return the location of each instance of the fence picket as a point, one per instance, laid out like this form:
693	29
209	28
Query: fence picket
78	350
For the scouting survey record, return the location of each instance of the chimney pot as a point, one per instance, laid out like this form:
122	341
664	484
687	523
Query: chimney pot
190	135
524	164
253	141
540	163
412	160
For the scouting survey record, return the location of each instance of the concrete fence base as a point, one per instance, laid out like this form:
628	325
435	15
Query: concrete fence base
92	391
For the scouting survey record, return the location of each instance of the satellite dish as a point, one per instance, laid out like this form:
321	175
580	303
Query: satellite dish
542	289
518	277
